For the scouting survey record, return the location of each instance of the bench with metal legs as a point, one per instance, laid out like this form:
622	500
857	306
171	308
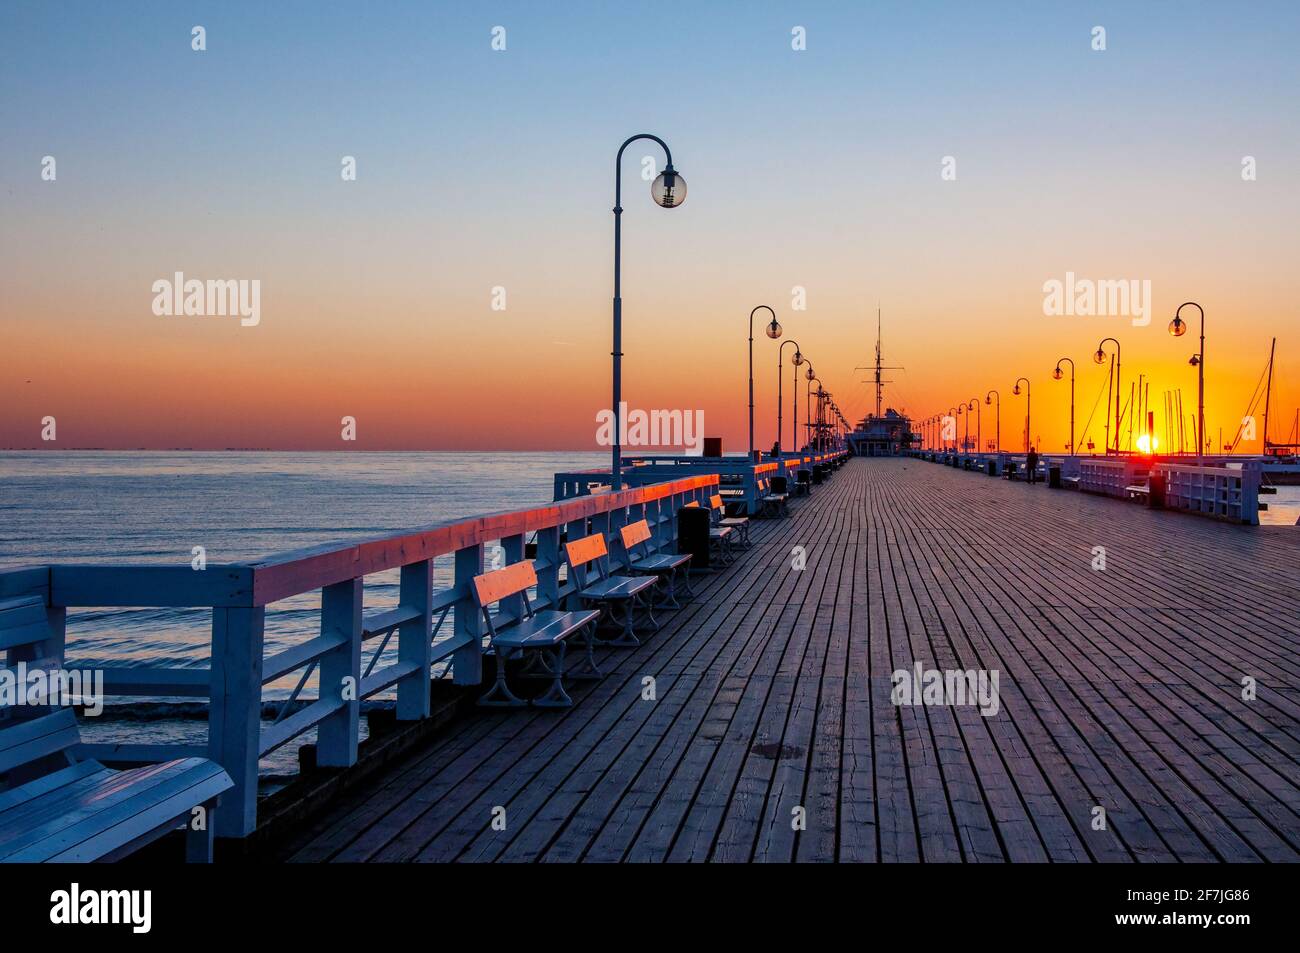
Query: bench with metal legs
635	538
740	524
595	584
772	497
538	635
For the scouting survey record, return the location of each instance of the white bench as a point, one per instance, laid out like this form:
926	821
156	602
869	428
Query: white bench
635	537
540	635
720	518
774	501
57	807
600	586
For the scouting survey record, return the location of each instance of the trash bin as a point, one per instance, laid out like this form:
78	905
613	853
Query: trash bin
1156	490
992	468
1054	476
693	535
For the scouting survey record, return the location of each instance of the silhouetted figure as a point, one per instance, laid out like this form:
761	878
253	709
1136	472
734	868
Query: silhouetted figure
1031	465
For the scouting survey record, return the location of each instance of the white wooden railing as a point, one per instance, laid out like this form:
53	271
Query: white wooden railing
739	476
1230	493
346	668
1111	477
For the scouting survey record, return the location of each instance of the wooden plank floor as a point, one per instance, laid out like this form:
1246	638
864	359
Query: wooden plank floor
1118	689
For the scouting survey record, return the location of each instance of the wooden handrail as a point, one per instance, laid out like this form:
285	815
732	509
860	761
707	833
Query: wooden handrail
302	570
238	595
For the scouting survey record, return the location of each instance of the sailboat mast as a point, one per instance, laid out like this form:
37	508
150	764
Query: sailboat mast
1268	393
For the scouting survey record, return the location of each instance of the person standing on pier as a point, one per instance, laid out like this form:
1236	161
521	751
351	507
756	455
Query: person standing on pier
1031	466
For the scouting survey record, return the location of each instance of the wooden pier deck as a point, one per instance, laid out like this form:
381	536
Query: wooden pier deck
1119	689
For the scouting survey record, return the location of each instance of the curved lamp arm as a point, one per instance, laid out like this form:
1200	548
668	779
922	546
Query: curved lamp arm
618	164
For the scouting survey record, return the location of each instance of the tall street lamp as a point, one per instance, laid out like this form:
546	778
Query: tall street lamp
997	436
1100	358
1028	439
979	423
796	359
669	191
953	412
1178	327
810	375
814	434
774	332
1057	375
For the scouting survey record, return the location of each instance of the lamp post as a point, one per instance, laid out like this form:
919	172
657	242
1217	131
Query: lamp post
669	191
814	438
997	435
1100	358
796	359
1178	327
979	423
809	375
1016	391
965	439
774	332
1057	375
952	411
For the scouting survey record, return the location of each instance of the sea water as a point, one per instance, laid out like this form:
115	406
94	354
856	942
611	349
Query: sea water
154	508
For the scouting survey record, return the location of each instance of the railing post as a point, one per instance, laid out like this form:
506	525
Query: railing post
340	674
573	530
548	578
665	515
467	661
1251	472
633	514
235	712
56	617
415	640
512	551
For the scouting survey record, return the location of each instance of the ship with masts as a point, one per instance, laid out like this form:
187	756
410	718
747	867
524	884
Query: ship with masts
887	432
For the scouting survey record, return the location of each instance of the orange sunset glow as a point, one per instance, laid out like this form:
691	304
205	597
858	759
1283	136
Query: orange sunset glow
378	293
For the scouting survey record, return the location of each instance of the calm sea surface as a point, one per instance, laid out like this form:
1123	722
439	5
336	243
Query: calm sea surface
155	507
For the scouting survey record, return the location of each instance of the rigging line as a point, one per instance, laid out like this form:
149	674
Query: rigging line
1084	436
1255	397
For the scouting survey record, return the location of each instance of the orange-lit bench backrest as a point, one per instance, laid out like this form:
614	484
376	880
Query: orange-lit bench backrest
496	585
634	534
583	551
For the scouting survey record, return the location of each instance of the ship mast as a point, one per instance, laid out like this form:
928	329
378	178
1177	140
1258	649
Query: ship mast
880	368
880	384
